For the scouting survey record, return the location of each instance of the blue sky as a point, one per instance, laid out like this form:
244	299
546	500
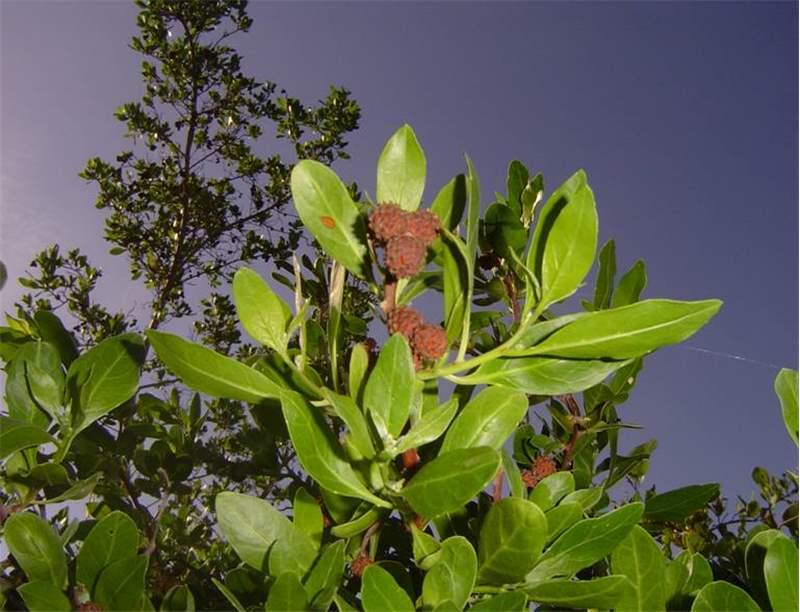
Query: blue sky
684	116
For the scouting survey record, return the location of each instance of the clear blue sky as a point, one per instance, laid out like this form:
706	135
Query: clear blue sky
684	116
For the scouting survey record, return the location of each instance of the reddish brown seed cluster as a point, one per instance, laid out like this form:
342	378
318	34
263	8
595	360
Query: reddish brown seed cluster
360	564
541	468
428	342
405	236
90	606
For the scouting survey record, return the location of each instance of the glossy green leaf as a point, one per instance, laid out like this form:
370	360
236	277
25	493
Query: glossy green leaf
326	574
755	554
104	377
432	425
453	576
539	331
389	391
722	596
178	599
286	594
516	181
16	435
43	596
561	518
512	601
307	516
319	452
781	574
629	331
253	527
542	375
234	601
20	403
676	574
120	585
564	241
604	283
79	490
600	593
423	545
36	548
630	286
454	289
678	504
450	202
472	224
329	213
586	542
452	479
52	330
401	170
513	476
503	230
357	372
786	390
113	538
357	426
488	419
639	558
380	592
587	498
511	539
211	373
700	573
552	489
262	312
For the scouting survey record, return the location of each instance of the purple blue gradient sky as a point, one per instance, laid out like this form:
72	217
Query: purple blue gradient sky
684	116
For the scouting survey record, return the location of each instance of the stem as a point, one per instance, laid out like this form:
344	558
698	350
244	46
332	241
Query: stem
569	451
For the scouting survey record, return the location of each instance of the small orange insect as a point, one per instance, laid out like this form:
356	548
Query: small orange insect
328	222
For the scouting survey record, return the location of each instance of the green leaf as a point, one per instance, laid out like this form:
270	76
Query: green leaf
43	596
16	435
541	375
511	539
512	601
503	230
700	573
52	330
630	286
639	558
562	517
448	482
600	593
262	312
380	592
389	391
307	516
564	240
786	390
237	605
472	225
453	575
104	377
324	578
253	527
676	574
319	452
36	548
432	425
754	556
678	504
513	476
327	210
722	596
586	542
286	594
454	289
178	599
401	170
552	489
121	584
516	181
21	404
488	419
450	202
113	538
780	572
604	283
629	331
587	498
423	545
79	490
211	373
359	434
47	389
359	364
